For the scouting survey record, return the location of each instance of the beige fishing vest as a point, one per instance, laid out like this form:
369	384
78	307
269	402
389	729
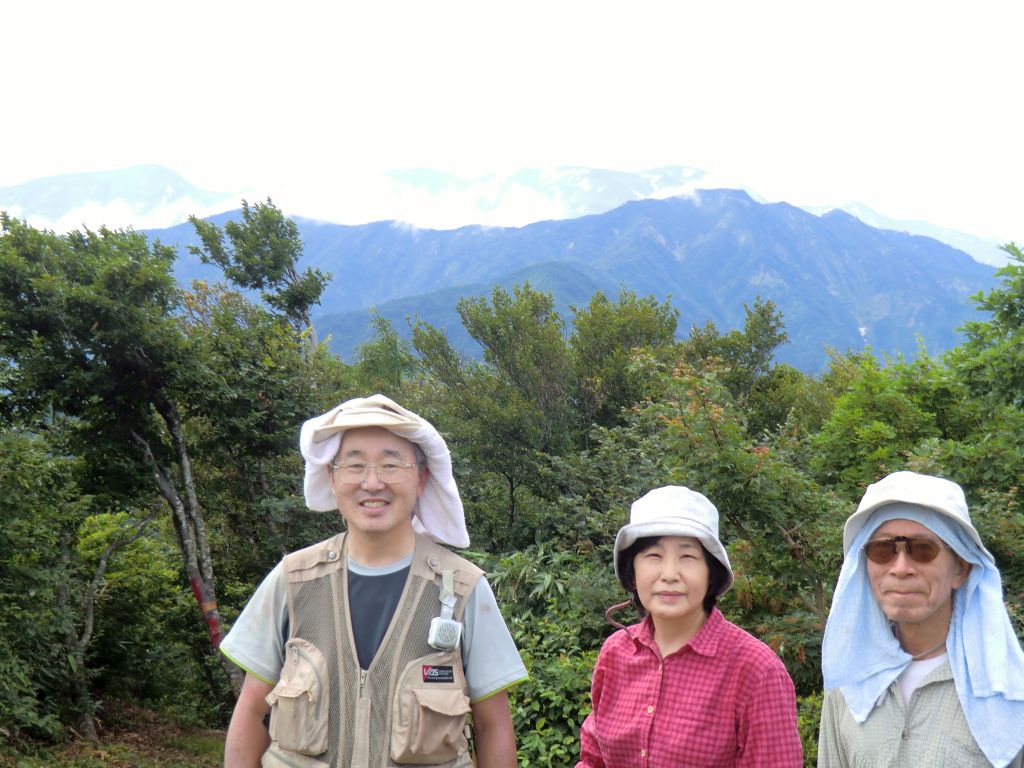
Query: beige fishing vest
409	707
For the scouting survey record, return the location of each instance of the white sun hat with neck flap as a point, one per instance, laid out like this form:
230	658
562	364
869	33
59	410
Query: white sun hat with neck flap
673	511
943	496
438	514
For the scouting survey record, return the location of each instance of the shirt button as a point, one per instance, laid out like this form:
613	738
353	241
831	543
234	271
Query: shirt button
643	753
649	710
906	735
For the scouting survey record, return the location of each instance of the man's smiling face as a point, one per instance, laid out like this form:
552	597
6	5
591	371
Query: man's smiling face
373	506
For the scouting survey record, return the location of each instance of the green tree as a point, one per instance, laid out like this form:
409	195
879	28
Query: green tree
605	337
385	362
56	550
782	528
871	428
90	322
264	255
38	500
990	362
509	410
785	396
747	354
537	393
261	383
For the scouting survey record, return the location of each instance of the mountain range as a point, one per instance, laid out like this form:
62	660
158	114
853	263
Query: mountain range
837	280
845	276
152	196
437	200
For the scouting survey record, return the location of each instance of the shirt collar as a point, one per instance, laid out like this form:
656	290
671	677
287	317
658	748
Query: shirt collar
705	642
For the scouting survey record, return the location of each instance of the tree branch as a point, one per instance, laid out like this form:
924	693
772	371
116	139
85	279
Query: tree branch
89	600
819	592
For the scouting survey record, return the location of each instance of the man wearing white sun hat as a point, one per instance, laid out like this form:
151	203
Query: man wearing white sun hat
920	660
369	649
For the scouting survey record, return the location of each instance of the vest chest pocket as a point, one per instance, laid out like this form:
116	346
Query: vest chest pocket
300	700
429	712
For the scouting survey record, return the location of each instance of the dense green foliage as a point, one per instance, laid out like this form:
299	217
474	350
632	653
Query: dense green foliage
111	375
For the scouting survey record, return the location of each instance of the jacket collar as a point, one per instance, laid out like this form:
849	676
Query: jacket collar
705	642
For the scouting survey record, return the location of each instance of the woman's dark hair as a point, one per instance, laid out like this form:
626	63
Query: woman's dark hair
718	574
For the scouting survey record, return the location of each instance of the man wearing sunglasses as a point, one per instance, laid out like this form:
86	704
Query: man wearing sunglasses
920	660
371	648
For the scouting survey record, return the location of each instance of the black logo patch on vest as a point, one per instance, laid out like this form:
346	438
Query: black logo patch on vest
438	674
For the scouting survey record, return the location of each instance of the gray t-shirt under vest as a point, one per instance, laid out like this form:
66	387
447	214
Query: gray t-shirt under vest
372	601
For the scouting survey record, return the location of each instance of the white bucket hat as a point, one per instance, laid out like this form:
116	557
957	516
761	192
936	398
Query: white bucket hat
438	514
673	511
942	496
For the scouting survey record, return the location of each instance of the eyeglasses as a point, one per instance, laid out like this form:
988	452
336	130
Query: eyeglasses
920	550
358	471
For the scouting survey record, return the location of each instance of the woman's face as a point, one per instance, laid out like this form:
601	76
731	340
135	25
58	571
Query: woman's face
672	577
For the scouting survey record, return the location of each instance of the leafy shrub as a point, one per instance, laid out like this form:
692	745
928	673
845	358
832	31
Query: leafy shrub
549	708
553	601
809	722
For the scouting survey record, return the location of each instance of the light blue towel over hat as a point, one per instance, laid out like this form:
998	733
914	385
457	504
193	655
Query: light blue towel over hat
862	657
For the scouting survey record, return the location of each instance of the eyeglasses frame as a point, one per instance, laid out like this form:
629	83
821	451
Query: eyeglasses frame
908	547
363	479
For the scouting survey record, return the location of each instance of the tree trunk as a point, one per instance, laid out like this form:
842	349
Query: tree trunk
191	531
312	331
78	642
84	723
86	726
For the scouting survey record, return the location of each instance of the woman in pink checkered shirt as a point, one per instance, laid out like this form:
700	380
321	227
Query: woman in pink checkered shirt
685	687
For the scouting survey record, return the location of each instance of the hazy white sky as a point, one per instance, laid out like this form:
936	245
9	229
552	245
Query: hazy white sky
911	108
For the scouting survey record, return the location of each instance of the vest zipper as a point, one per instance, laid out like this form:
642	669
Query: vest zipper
316	673
362	681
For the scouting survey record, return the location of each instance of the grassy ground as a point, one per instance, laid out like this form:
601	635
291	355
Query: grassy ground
130	737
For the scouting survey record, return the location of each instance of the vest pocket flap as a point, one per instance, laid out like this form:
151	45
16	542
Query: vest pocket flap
305	666
300	701
289	692
450	702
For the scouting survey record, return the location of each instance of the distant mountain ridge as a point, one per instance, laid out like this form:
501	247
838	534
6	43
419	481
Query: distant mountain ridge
983	249
151	196
561	193
142	196
838	280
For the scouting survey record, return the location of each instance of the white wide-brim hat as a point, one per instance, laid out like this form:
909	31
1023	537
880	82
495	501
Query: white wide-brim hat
673	511
438	515
943	496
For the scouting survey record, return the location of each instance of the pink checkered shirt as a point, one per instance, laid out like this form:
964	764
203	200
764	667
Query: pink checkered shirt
723	699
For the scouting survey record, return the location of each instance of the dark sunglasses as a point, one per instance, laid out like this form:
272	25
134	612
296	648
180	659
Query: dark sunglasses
883	551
